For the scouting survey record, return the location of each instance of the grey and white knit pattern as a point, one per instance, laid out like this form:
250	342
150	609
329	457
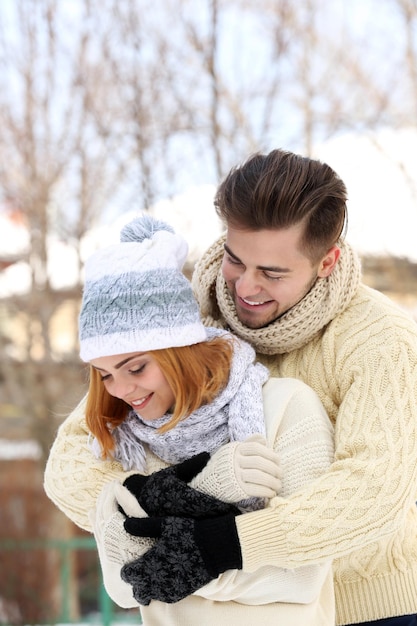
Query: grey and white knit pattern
235	414
136	296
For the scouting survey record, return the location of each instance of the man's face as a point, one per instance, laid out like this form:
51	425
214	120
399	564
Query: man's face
266	272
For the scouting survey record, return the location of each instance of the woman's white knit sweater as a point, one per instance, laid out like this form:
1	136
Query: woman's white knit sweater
300	431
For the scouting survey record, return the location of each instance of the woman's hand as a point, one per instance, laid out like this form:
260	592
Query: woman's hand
167	492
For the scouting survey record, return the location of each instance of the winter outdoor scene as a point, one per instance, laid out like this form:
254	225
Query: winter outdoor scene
113	108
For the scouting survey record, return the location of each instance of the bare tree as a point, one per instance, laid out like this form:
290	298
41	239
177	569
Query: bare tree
106	106
56	170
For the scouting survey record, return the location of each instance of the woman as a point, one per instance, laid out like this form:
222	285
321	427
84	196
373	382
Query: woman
164	389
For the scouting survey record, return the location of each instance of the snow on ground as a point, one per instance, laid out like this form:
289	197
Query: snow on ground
11	450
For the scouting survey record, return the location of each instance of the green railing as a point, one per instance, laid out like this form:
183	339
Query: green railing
108	613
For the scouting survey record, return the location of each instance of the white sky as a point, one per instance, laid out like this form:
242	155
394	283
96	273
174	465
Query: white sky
380	174
381	177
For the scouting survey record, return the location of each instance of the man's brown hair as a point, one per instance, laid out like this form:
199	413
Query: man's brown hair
281	189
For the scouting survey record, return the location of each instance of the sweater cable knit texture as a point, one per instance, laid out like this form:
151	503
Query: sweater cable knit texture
362	362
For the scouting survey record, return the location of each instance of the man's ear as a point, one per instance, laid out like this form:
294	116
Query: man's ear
328	262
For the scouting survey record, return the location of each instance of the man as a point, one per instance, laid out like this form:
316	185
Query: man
287	284
283	279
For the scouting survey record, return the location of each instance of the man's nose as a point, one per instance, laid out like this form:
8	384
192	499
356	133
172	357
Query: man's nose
246	285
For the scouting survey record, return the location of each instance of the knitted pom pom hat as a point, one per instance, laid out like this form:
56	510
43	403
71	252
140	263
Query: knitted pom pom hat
136	297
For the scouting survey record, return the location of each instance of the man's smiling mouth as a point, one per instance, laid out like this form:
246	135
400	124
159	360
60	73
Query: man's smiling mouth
250	303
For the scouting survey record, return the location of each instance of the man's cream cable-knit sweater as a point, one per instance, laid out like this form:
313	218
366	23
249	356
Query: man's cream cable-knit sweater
358	351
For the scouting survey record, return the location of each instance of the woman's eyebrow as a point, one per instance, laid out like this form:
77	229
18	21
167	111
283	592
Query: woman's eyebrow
129	358
119	365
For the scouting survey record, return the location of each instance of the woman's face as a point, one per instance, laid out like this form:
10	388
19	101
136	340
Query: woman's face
137	379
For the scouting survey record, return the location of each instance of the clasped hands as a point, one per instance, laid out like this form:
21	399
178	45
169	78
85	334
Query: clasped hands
194	532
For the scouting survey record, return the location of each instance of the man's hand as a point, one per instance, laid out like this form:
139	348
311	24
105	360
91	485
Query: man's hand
240	470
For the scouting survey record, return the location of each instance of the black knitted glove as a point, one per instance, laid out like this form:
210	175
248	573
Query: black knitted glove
166	492
188	554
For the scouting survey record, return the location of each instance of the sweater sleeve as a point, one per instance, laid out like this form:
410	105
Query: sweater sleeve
367	493
300	430
74	477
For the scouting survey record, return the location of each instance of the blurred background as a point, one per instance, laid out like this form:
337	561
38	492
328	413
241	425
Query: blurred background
111	107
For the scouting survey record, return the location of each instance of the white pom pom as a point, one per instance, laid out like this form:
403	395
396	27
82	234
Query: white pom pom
143	227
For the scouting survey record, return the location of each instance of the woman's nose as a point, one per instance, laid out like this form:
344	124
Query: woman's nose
122	389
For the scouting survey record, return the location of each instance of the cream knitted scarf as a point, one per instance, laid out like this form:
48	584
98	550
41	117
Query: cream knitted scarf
235	414
327	298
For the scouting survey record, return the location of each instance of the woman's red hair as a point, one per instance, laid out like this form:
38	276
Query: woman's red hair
196	375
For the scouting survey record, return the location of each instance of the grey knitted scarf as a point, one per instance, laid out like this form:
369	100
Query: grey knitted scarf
234	415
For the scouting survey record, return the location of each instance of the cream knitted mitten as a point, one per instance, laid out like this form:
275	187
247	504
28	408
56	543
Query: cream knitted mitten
240	470
116	546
